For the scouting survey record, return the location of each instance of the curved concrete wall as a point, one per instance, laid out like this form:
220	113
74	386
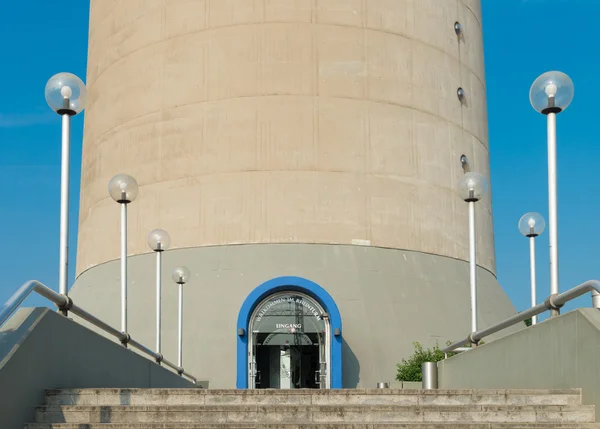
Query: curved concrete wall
284	121
387	299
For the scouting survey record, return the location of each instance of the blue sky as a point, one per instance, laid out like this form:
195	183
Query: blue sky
523	38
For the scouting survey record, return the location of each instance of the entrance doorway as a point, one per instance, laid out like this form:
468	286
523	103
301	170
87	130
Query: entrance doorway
289	344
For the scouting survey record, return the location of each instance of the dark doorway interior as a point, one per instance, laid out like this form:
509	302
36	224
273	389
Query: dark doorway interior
303	361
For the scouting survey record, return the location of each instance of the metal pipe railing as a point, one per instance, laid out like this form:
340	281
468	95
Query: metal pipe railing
66	303
554	302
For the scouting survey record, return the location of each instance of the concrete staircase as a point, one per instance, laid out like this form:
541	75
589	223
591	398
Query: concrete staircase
304	409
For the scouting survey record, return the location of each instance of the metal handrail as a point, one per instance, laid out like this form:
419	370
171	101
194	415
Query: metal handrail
554	302
65	303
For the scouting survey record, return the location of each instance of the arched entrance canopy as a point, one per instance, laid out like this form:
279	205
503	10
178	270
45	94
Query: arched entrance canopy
301	285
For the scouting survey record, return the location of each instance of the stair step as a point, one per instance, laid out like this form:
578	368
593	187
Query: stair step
311	397
314	414
451	425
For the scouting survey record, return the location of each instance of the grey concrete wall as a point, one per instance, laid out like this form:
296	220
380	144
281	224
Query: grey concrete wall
41	349
563	352
388	298
285	121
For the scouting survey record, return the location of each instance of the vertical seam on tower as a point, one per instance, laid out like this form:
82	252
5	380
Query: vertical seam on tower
262	141
316	100
460	77
367	132
162	96
460	83
316	34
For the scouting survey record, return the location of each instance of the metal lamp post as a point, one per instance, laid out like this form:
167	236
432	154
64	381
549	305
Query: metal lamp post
123	189
159	241
550	94
471	188
66	94
531	225
180	275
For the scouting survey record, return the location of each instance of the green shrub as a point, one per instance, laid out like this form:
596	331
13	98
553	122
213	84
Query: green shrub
410	370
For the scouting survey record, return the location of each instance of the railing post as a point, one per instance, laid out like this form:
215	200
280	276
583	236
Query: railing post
596	299
430	375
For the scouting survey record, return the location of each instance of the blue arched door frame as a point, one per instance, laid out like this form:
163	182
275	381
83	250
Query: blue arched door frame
297	284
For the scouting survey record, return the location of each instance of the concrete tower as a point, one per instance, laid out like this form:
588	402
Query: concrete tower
318	139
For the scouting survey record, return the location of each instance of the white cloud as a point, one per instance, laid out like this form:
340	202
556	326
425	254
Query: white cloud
26	119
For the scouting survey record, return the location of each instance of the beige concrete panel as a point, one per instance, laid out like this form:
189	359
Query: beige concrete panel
232	210
222	13
459	143
435	79
434	24
425	22
321	200
287	59
342	134
474	112
183	145
436	227
392	148
186	59
179	207
138	24
98	236
147	214
394	213
341	57
235	63
389	67
347	12
288	11
480	161
462	143
207	138
271	59
184	17
230	136
432	137
281	144
242	134
391	16
128	90
90	165
471	44
132	149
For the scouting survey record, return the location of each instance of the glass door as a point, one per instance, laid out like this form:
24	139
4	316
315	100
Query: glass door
253	372
321	373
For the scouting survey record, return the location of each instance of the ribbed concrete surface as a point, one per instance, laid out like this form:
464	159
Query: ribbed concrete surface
284	121
185	408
